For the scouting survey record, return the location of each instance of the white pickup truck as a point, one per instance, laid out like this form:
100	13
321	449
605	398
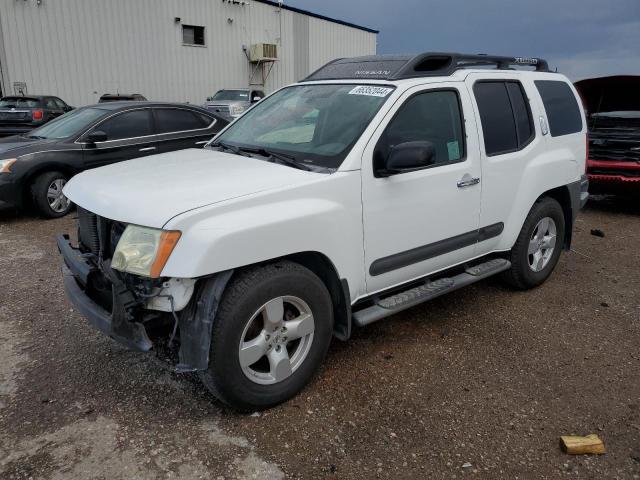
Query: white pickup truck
375	184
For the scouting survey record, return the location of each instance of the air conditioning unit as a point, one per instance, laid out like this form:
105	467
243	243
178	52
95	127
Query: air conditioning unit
259	52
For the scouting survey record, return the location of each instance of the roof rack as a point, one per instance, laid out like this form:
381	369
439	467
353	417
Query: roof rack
429	64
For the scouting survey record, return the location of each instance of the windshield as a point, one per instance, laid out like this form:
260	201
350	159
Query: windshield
19	102
314	124
239	95
69	124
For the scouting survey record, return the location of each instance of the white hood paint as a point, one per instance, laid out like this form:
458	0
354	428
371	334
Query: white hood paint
151	190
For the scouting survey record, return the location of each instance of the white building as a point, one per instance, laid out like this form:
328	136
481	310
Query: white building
173	50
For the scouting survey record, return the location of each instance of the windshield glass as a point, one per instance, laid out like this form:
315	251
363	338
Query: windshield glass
19	102
69	124
239	95
314	124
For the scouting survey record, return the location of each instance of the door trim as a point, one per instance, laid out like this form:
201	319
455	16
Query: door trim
435	249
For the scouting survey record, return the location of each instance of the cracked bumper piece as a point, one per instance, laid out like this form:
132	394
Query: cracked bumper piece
116	324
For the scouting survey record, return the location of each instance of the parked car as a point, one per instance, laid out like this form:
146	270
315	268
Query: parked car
19	114
613	117
35	167
233	102
122	97
374	185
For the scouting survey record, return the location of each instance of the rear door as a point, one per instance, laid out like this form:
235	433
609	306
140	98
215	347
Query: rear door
508	143
130	134
53	108
180	128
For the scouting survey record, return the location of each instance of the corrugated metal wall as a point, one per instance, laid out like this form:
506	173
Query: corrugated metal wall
80	49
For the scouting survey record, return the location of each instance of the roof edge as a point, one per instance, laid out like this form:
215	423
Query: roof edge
317	15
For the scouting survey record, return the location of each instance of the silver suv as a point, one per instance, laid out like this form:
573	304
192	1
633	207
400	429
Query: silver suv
233	102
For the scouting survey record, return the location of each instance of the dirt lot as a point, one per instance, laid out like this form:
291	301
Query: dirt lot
486	376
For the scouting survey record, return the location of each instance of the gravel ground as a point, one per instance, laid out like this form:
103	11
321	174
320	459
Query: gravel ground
484	376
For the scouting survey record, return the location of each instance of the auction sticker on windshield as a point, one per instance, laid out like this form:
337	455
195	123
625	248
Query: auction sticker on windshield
371	91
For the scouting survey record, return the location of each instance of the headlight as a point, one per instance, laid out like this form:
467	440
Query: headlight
236	110
144	251
6	164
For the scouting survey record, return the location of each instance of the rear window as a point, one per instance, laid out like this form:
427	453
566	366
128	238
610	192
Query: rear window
178	120
505	115
561	106
19	102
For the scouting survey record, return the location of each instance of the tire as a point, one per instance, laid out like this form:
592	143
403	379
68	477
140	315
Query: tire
42	189
247	386
522	274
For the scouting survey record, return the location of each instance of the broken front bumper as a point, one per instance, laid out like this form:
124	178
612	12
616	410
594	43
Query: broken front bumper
118	323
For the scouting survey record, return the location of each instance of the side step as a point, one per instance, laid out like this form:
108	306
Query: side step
414	296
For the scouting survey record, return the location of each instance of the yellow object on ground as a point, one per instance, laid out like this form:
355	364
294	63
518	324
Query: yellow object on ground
576	445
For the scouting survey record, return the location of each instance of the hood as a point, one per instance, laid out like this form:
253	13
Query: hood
617	93
151	190
16	145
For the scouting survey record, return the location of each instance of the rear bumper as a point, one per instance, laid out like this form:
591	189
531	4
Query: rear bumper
116	324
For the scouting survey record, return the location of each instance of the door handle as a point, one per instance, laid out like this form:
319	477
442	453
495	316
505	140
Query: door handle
147	149
468	181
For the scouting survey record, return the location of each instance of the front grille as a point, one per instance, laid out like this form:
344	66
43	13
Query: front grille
98	235
221	109
88	231
615	171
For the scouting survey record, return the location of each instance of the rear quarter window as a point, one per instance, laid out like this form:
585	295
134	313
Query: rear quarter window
561	106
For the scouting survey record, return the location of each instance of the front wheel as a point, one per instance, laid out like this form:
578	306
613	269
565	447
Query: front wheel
538	247
48	197
270	335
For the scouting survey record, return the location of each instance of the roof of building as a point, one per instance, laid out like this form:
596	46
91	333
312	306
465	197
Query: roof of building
429	64
317	15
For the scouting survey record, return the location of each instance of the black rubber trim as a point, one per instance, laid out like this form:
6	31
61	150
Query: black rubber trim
425	252
73	259
132	336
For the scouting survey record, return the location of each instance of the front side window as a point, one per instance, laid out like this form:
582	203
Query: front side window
314	124
561	106
132	124
177	120
432	116
505	115
69	124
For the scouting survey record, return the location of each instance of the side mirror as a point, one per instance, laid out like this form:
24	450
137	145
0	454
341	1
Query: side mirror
408	157
96	136
68	108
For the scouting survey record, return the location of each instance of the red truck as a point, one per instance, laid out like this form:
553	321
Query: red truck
613	116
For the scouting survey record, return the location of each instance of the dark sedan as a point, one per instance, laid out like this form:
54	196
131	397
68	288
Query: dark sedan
19	114
35	167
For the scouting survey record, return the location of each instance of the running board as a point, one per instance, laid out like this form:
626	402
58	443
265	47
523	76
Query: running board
414	296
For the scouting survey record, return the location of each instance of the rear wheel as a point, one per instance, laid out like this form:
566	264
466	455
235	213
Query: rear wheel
538	247
48	197
270	336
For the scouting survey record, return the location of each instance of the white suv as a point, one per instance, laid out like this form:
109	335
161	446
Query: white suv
375	184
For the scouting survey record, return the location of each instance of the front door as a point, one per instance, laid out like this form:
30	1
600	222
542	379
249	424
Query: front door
421	221
130	134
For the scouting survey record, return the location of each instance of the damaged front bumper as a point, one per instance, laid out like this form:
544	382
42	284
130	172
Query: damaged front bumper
118	324
124	322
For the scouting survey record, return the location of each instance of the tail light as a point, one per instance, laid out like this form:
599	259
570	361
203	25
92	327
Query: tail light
37	115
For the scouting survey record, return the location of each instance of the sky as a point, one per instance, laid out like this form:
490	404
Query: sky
582	38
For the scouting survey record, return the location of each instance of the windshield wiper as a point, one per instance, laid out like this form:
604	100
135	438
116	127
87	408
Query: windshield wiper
226	146
36	137
281	158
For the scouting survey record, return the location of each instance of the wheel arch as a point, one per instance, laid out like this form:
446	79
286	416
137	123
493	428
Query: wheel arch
31	176
563	197
338	287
